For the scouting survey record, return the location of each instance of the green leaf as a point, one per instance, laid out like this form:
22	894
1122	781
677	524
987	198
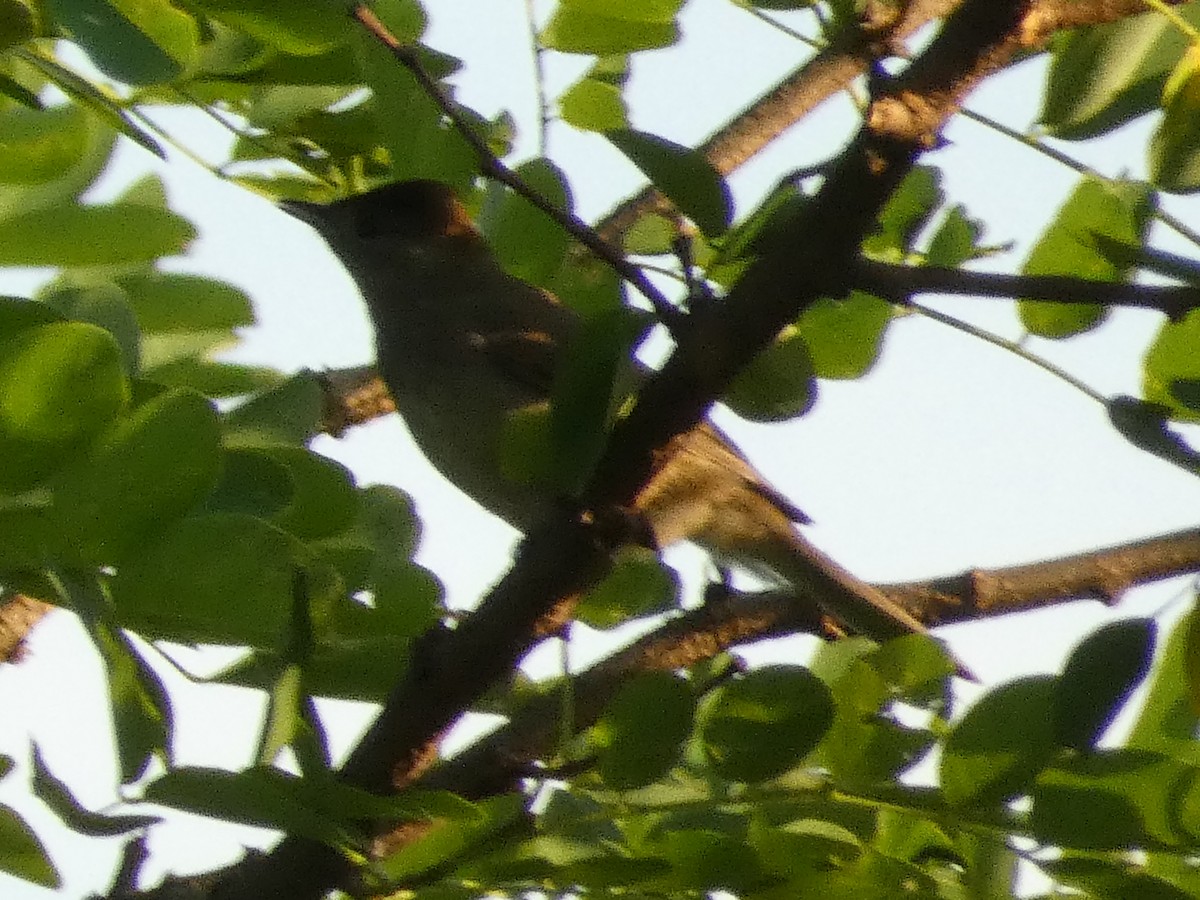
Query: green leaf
290	414
1171	367
778	383
134	41
220	578
404	601
104	305
683	175
14	90
528	243
638	584
1002	742
1113	877
589	287
18	314
597	102
1147	426
651	235
167	302
102	105
252	481
56	795
283	722
1170	714
845	337
1103	76
301	27
385	523
642	729
259	796
956	240
450	837
795	848
1115	210
918	666
279	106
1115	799
322	501
42	145
611	26
1099	677
16	23
556	445
1175	145
864	748
92	236
361	669
60	385
139	704
764	723
592	105
217	380
22	854
704	860
158	462
589	384
905	215
419	143
759	230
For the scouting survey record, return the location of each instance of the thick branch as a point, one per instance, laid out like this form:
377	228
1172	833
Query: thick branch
813	258
18	615
1101	574
494	764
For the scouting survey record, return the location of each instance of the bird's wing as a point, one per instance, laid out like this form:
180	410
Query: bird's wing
527	358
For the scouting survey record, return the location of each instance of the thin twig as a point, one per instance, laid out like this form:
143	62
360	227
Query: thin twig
539	78
1011	346
492	167
899	283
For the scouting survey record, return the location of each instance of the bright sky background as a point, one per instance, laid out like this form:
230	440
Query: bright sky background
950	455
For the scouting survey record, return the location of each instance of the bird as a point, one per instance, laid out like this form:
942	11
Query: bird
463	346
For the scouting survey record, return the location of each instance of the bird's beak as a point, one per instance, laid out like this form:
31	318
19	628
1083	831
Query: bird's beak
315	215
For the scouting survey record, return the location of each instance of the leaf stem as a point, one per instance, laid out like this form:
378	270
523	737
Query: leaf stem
1175	19
1012	347
539	78
1036	143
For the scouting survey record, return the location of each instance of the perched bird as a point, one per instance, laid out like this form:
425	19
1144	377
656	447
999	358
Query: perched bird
463	345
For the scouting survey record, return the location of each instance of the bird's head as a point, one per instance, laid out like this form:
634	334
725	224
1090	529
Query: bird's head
412	213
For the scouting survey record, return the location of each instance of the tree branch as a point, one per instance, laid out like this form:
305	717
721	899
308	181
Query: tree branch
1103	574
820	78
898	283
496	763
18	615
